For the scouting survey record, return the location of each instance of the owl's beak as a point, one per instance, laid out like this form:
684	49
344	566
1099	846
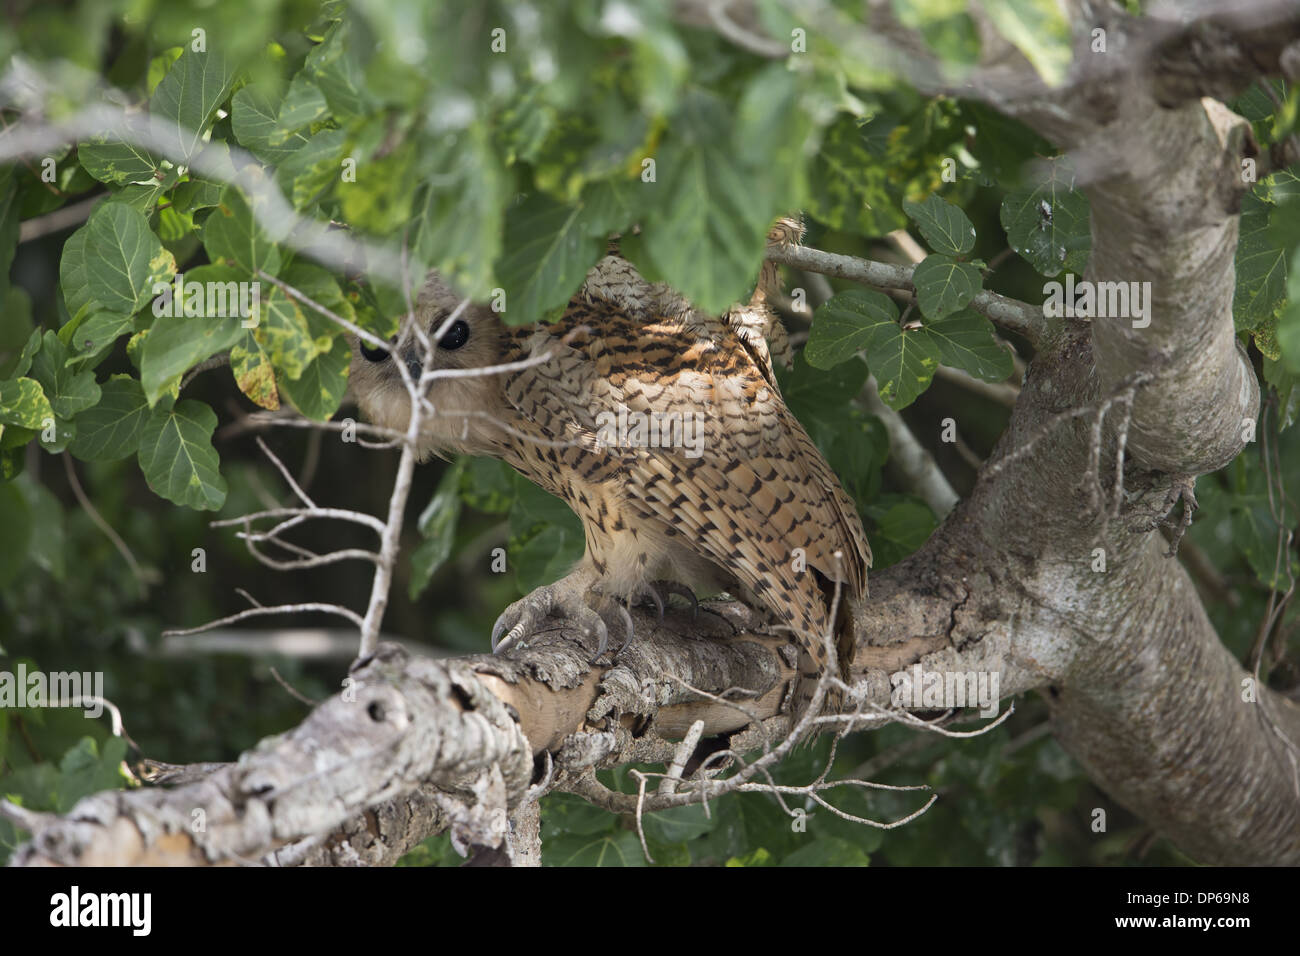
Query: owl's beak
413	364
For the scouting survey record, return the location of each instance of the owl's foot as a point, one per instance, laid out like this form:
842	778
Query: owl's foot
681	590
565	599
653	593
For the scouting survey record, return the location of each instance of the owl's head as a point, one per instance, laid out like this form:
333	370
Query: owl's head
465	406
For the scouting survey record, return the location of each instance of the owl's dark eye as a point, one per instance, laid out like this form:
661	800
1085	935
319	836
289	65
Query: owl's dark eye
373	353
455	337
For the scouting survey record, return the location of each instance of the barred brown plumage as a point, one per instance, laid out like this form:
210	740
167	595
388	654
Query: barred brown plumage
733	506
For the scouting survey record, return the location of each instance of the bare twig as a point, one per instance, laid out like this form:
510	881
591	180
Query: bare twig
103	525
309	608
1004	393
63	218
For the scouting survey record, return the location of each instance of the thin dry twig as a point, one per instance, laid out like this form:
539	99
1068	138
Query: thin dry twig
79	493
312	607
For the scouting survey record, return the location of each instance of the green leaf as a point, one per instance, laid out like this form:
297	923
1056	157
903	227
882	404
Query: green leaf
112	160
337	70
620	849
1048	224
773	121
293	334
379	202
303	104
16	519
944	286
706	225
254	374
1264	336
255	121
28	353
827	851
283	331
96	335
143	197
159	65
23	403
12	460
195	194
967	341
903	363
303	175
318	391
944	226
16	328
611	205
189	95
231	234
124	259
112	428
321	287
1284	215
546	537
1261	268
850	188
177	343
1003	146
859	320
438	526
74	280
458	211
845	324
678	824
488	486
908	524
547	254
84	770
902	525
809	390
177	457
946	26
48	549
69	391
1039	30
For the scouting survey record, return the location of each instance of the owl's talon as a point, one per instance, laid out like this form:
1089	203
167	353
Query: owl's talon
521	618
629	633
681	590
649	592
597	625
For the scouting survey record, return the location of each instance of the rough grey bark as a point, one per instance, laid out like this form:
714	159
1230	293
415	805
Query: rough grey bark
404	723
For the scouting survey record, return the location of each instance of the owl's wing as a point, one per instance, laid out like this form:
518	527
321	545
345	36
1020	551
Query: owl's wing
754	487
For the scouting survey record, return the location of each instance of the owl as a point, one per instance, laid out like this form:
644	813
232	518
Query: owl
664	430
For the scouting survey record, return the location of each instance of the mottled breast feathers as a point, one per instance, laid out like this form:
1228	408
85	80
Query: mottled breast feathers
753	491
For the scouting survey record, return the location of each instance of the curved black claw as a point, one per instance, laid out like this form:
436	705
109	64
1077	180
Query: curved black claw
627	622
649	592
604	634
681	590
